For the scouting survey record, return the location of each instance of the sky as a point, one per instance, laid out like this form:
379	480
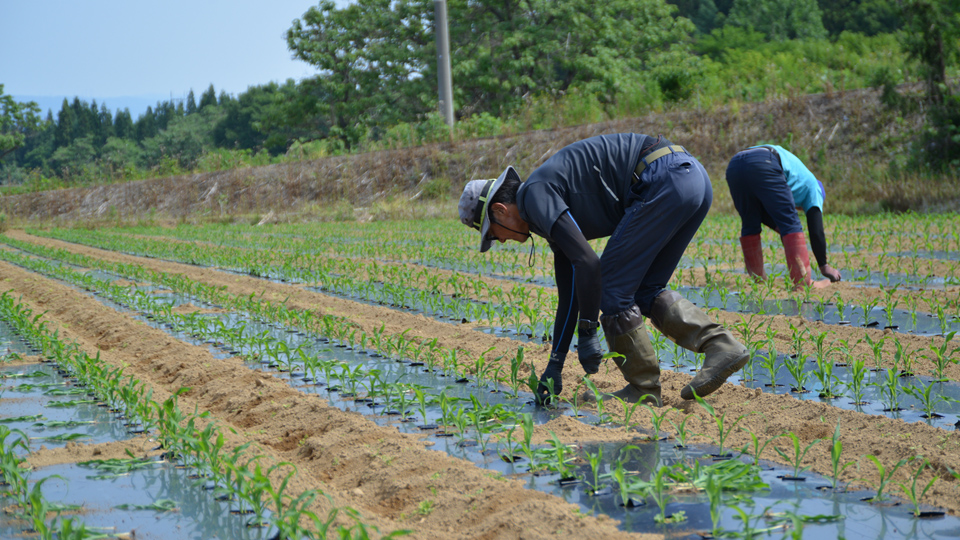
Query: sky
131	53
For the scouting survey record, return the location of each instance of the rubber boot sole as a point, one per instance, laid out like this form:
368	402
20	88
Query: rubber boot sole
714	383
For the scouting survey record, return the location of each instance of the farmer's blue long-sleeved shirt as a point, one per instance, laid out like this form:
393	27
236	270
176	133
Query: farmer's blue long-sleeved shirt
803	184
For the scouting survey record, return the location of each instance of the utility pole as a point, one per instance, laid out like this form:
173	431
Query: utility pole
443	62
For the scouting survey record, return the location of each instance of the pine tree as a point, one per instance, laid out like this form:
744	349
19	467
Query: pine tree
123	125
83	124
106	124
191	103
66	119
146	126
208	98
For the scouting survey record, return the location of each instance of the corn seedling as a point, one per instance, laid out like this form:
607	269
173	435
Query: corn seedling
681	429
911	491
36	507
619	475
515	364
877	348
929	400
660	494
714	491
595	459
858	371
836	451
770	361
423	400
561	459
724	427
628	410
510	455
942	356
890	390
796	365
750	530
526	422
885	477
796	459
478	419
656	419
757	446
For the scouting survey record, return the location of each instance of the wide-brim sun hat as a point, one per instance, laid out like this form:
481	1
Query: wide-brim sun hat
475	203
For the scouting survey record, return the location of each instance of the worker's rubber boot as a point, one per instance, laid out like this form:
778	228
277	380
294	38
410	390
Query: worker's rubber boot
798	260
753	255
627	335
692	329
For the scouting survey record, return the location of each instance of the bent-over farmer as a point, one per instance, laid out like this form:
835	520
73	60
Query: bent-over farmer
649	196
768	184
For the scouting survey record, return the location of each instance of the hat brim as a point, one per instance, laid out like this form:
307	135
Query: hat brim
486	242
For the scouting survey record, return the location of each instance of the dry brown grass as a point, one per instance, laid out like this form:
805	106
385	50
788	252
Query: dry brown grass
847	139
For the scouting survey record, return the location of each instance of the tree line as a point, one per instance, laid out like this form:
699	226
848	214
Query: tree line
517	64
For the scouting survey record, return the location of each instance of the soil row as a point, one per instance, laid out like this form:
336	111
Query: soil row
766	415
377	470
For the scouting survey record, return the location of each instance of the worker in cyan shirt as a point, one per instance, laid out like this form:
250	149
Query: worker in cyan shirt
649	196
768	184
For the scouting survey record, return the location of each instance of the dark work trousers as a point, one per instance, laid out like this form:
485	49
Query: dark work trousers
664	211
760	192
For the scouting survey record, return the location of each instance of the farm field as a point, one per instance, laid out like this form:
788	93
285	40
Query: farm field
373	378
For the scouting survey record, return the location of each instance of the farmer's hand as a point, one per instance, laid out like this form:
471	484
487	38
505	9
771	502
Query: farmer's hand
552	375
588	346
830	273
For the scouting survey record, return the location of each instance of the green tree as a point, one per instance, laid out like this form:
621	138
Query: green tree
377	67
76	160
119	157
706	15
66	118
372	59
146	125
123	125
932	37
17	122
246	123
191	103
85	120
868	17
779	19
298	113
105	129
184	141
512	48
37	149
209	97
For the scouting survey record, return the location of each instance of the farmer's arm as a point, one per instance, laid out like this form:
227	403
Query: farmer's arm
584	263
818	242
585	269
567	307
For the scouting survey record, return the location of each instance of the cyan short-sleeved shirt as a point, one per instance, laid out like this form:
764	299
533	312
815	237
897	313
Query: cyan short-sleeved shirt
807	191
590	178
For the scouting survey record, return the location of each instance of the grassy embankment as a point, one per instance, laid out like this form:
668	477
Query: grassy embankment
848	139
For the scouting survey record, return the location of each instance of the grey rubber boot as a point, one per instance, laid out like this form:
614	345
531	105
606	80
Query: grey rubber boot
627	335
692	329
